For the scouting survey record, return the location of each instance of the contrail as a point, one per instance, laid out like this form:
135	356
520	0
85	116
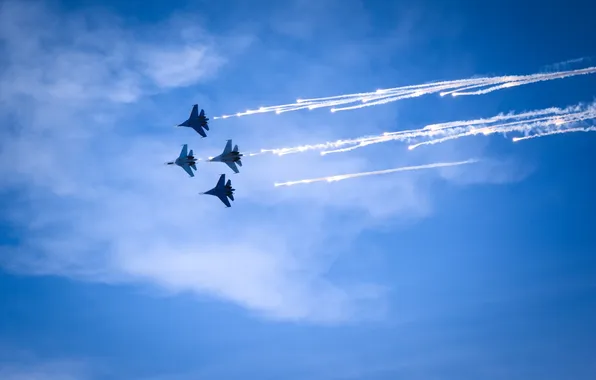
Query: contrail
378	172
458	87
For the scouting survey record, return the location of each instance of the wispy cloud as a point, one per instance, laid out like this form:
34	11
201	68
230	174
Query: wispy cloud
93	57
17	364
567	63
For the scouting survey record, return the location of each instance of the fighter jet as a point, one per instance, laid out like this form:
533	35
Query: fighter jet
229	156
222	191
196	121
186	161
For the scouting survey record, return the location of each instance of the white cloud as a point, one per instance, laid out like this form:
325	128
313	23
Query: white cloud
176	68
46	371
98	204
21	365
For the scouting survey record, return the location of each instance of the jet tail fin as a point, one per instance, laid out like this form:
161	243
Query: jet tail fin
193	166
231	196
229	183
204	120
235	148
239	163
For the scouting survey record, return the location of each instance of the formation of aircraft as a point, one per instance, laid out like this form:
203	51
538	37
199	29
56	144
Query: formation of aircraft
230	156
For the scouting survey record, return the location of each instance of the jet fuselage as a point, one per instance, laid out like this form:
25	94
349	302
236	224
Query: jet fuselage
183	161
190	160
226	191
228	157
197	122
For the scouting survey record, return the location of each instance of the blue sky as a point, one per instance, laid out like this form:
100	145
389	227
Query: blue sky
113	267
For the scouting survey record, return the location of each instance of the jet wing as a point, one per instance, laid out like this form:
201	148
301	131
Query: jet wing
195	112
188	170
184	151
200	131
221	181
228	148
225	200
233	166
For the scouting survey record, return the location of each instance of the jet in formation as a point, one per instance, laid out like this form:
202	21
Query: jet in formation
185	160
223	192
229	156
197	121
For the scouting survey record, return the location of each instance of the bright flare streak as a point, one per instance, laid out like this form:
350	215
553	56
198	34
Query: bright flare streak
570	130
541	126
532	79
537	121
501	117
342	177
384	96
462	89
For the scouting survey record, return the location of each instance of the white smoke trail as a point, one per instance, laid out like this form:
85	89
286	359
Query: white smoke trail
515	126
448	130
530	79
532	128
358	142
570	130
342	177
508	116
542	121
382	96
